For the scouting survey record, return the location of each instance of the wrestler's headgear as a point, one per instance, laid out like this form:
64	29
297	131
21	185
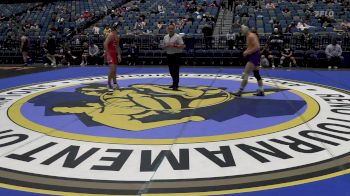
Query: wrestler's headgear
244	29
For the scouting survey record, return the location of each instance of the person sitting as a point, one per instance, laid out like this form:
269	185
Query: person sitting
267	58
93	53
286	12
334	52
161	9
230	40
68	56
214	4
139	25
107	30
287	54
302	25
96	30
310	57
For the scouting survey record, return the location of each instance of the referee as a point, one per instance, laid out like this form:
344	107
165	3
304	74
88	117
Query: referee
173	45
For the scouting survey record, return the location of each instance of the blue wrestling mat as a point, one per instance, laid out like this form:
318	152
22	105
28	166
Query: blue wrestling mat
63	133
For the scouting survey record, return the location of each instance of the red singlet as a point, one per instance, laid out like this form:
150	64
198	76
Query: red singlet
112	50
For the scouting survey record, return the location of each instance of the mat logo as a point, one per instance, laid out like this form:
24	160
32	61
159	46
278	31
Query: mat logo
73	136
145	106
140	107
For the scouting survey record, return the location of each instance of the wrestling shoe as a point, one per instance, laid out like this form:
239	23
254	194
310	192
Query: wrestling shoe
238	93
259	93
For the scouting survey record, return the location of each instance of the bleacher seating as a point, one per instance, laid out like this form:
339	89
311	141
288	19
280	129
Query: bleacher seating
64	19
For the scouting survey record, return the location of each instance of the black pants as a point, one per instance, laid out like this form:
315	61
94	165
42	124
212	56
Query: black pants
335	61
174	67
208	42
92	60
69	58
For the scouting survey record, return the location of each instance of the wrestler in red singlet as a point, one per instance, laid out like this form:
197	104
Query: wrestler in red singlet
112	49
113	55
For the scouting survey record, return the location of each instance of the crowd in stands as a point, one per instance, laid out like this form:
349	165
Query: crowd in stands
79	27
294	15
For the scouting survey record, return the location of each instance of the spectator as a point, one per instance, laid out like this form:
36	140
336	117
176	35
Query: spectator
334	52
342	27
96	30
119	12
270	5
204	3
93	53
139	24
51	50
286	12
85	54
290	28
25	48
310	4
276	39
161	9
107	30
208	32
302	25
236	25
307	39
238	6
230	38
69	58
311	57
276	24
87	14
287	54
214	4
267	58
135	8
327	22
252	2
133	52
160	25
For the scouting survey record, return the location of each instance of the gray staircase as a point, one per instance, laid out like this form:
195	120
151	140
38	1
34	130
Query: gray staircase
224	22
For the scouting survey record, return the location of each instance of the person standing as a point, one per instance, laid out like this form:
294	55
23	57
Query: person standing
174	46
25	48
51	50
208	36
287	54
85	54
113	56
252	54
